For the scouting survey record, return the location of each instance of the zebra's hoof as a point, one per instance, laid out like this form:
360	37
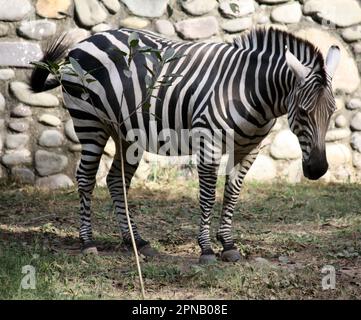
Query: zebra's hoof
148	251
207	259
231	255
89	250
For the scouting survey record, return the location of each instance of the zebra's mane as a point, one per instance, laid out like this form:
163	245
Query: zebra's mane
288	40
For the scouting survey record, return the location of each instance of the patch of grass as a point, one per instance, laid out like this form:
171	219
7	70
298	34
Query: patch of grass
286	234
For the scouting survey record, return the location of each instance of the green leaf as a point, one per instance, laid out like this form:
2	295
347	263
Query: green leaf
175	57
127	73
169	53
173	75
234	7
163	82
156	97
169	10
54	66
149	69
133	39
40	64
120	52
146	105
76	66
145	49
148	80
158	55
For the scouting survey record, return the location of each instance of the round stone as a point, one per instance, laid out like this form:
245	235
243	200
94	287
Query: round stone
164	27
147	8
337	134
134	22
6	74
70	132
337	154
287	13
356	141
263	169
18	126
101	27
197	28
342	13
356	122
23	175
57	181
21	111
236	8
55	9
89	12
37	29
23	93
285	146
48	163
237	25
354	104
352	34
51	138
50	120
113	6
16	141
341	121
17	157
198	7
14	10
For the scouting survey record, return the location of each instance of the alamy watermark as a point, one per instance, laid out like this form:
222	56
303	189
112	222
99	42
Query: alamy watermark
329	280
29	280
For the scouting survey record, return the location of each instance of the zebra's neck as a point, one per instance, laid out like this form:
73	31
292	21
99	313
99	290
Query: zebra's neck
268	82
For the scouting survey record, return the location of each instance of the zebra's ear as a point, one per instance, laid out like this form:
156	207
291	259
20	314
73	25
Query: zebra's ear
332	60
299	70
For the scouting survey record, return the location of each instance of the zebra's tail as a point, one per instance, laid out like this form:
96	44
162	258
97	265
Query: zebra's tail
56	51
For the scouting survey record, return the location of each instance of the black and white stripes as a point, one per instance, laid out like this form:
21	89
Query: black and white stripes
240	88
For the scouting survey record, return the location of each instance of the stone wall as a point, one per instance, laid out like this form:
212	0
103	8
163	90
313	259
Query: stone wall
37	140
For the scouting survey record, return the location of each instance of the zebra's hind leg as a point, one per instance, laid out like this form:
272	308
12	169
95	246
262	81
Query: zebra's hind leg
207	195
233	185
90	157
115	186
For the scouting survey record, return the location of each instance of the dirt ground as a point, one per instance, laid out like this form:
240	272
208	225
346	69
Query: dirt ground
286	233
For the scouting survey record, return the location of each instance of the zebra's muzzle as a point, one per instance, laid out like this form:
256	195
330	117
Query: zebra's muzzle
316	165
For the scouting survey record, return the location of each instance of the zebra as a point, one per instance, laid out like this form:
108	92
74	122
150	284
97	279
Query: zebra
242	86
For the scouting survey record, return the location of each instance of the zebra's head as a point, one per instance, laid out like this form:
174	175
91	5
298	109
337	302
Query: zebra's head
310	106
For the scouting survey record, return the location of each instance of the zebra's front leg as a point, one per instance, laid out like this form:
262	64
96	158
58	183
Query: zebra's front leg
207	195
233	185
115	186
